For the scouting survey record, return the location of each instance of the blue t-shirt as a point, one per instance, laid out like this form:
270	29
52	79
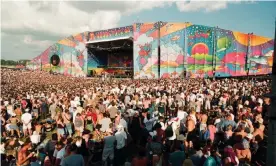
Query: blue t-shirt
73	160
210	161
177	158
44	107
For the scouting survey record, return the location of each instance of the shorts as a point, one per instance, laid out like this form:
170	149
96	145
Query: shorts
28	126
60	131
89	127
80	129
13	127
3	129
108	153
68	128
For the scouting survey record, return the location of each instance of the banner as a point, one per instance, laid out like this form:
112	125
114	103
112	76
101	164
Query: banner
231	50
145	50
111	33
68	56
260	58
200	50
172	49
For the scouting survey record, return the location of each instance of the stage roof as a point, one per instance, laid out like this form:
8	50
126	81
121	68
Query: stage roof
108	40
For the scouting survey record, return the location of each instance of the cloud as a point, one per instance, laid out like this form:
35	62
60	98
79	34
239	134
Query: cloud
38	23
55	17
41	43
208	6
65	18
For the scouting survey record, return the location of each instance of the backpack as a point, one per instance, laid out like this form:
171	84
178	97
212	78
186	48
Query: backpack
156	126
173	106
182	129
169	131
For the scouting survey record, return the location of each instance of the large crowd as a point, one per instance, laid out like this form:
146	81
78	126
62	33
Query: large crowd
56	120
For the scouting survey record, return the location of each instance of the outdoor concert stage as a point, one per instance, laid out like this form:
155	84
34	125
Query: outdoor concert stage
159	50
114	57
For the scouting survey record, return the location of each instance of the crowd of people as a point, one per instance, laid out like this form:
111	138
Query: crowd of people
56	120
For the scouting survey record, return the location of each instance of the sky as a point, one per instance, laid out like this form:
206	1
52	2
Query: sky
30	27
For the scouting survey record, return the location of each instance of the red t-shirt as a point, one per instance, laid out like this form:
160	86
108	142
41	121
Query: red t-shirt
139	161
93	116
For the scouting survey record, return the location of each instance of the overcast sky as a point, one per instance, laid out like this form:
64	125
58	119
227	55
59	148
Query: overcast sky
28	28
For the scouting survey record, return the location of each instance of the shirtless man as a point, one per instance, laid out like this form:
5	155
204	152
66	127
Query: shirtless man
23	156
241	134
243	152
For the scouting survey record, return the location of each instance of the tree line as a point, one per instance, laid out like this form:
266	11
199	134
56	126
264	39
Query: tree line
13	63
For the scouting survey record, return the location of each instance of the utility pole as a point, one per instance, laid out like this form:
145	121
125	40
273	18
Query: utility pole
159	51
185	64
214	57
271	147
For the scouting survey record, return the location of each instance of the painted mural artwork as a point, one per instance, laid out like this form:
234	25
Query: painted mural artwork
231	51
260	57
72	53
200	51
172	45
145	50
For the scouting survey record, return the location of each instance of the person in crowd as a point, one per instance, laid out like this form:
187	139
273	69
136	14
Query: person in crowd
24	157
26	119
105	122
59	153
66	116
50	146
140	159
73	159
177	157
79	124
13	120
108	150
121	138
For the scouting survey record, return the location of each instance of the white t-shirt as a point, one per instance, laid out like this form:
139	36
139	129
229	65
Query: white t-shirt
123	123
2	148
35	139
77	98
26	118
192	97
120	138
105	124
182	115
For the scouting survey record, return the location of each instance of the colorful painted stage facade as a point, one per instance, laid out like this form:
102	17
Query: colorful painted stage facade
167	50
